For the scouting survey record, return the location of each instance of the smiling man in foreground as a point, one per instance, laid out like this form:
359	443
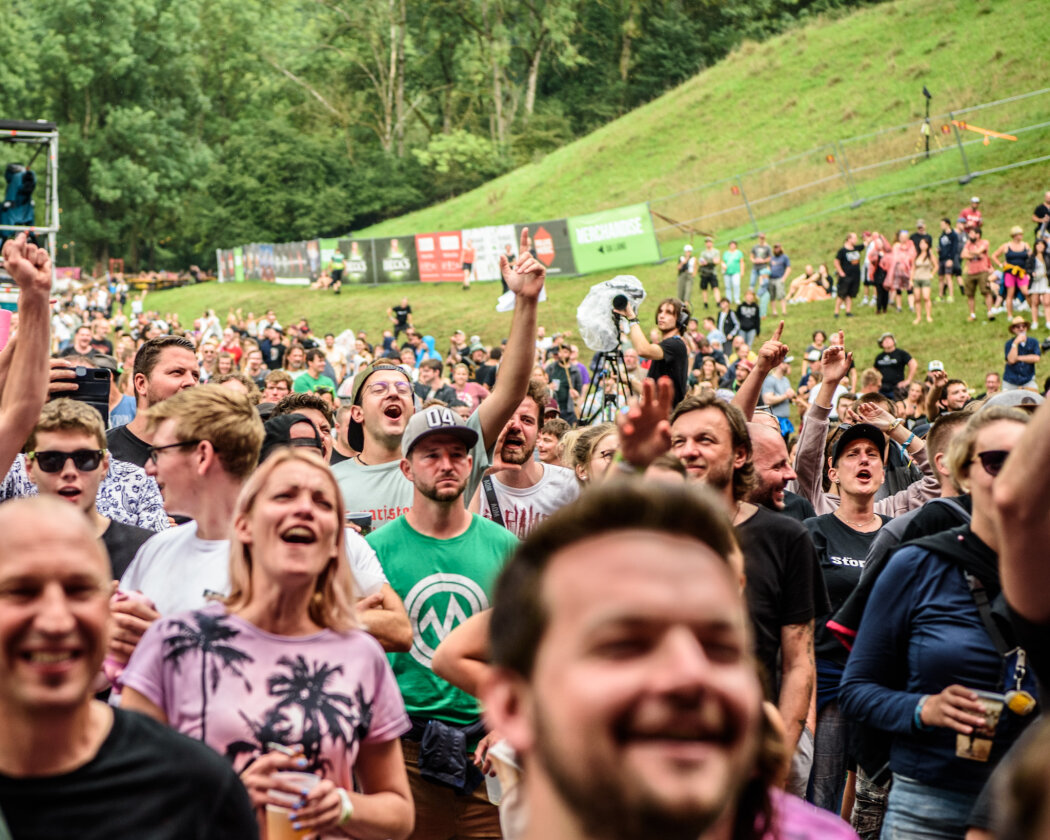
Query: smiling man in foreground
70	766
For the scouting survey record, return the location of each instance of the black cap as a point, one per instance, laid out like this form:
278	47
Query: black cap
278	433
859	431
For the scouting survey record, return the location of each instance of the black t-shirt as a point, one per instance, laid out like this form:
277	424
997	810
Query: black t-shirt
102	345
784	582
1041	212
486	375
337	457
842	552
273	355
402	313
748	315
122	542
675	364
146	781
916	238
124	446
849	259
893	366
797	507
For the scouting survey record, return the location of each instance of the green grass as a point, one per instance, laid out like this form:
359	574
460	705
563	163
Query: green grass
831	79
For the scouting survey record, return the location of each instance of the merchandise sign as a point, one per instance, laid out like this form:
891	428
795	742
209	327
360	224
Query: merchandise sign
358	261
614	238
549	243
489	243
440	257
395	259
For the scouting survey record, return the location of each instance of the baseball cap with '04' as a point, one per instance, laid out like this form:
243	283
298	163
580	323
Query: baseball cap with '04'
436	420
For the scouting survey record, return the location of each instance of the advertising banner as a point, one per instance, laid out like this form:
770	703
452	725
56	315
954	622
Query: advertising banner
267	263
550	245
238	265
395	259
359	262
489	243
614	238
440	257
252	269
313	258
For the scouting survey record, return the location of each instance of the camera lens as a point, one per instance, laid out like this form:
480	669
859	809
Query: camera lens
619	302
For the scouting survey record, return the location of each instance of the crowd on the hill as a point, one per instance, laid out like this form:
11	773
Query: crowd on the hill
259	582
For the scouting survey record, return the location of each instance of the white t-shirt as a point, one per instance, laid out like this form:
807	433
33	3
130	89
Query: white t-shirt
840	389
179	572
524	509
382	489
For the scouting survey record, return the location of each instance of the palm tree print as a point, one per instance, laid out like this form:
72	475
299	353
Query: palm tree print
335	715
274	728
210	637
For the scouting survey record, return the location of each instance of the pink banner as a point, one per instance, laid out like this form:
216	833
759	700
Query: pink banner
440	257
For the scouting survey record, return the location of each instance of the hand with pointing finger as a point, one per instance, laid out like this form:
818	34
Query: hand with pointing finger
526	277
773	352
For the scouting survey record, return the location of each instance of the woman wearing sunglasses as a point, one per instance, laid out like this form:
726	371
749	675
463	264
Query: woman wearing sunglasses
932	667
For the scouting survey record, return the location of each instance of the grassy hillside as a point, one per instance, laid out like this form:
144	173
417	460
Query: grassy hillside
830	79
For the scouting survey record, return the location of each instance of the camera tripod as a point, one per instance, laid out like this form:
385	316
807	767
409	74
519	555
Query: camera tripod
600	403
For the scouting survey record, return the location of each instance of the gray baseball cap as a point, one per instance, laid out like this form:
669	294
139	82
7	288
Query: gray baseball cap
436	420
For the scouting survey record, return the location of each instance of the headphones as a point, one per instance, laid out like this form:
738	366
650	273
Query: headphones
683	314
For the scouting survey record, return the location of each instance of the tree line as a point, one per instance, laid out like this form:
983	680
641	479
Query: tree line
188	125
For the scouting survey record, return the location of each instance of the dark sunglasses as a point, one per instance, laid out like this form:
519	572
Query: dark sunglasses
53	460
992	460
153	451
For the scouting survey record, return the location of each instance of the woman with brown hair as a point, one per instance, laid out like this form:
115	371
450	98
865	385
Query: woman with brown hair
278	676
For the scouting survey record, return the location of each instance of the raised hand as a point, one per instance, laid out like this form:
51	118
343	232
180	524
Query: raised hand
645	430
836	361
526	277
875	414
28	265
773	351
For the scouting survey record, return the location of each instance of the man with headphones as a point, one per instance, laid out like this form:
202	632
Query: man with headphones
670	357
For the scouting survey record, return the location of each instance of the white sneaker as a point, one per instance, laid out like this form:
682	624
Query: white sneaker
973	317
1023	306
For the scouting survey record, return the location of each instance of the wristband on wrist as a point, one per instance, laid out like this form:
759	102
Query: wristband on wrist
917	716
346	806
908	440
894	425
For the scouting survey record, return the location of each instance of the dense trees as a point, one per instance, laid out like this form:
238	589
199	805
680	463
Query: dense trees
194	124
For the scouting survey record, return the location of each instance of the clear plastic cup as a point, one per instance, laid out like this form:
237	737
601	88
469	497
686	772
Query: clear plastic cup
278	822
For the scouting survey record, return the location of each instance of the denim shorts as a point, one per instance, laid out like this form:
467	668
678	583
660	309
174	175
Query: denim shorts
917	811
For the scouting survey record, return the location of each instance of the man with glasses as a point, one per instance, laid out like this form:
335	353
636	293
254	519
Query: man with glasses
278	385
206	443
382	402
164	366
66	457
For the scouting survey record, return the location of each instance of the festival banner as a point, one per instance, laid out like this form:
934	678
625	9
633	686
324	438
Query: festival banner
611	239
549	243
267	263
359	262
395	259
440	257
238	265
489	243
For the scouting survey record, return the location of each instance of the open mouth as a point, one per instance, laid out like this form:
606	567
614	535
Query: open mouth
513	441
50	657
299	535
864	475
393	411
69	492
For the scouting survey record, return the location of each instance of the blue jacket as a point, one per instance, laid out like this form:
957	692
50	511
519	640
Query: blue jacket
921	632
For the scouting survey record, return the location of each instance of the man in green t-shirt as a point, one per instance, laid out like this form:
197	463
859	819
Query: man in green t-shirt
443	561
314	377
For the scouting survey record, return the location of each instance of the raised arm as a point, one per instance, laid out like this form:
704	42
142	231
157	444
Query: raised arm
773	352
25	389
525	278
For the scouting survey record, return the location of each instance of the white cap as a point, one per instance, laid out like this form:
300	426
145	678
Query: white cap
975	200
689	247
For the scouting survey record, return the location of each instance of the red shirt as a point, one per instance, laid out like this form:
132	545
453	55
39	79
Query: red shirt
971	217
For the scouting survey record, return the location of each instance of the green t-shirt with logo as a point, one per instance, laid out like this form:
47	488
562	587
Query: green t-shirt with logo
306	384
443	583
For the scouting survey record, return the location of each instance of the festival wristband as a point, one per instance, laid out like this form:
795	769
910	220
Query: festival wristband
917	717
346	806
908	440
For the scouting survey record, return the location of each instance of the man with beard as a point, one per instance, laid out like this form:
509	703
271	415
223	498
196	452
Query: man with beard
624	681
163	366
523	491
785	587
443	561
773	470
382	401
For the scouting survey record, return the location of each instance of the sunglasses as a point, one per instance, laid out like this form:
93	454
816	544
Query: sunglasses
153	451
992	460
53	460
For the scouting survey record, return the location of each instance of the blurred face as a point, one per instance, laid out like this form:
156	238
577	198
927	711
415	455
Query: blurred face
322	425
427	375
643	709
175	471
208	353
255	360
293	528
385	406
54	615
601	458
992	383
549	448
915	392
957	396
295	358
858	471
630	359
176	370
224	364
772	468
439	466
82	340
76	486
517	441
274	392
316	367
665	318
888	344
1001	436
460	376
702	440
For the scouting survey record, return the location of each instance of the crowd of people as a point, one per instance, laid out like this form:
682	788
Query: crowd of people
265	583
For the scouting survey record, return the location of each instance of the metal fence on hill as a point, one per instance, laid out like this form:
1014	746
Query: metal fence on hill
955	146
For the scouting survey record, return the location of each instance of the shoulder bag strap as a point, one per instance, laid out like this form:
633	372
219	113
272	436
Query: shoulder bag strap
492	501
